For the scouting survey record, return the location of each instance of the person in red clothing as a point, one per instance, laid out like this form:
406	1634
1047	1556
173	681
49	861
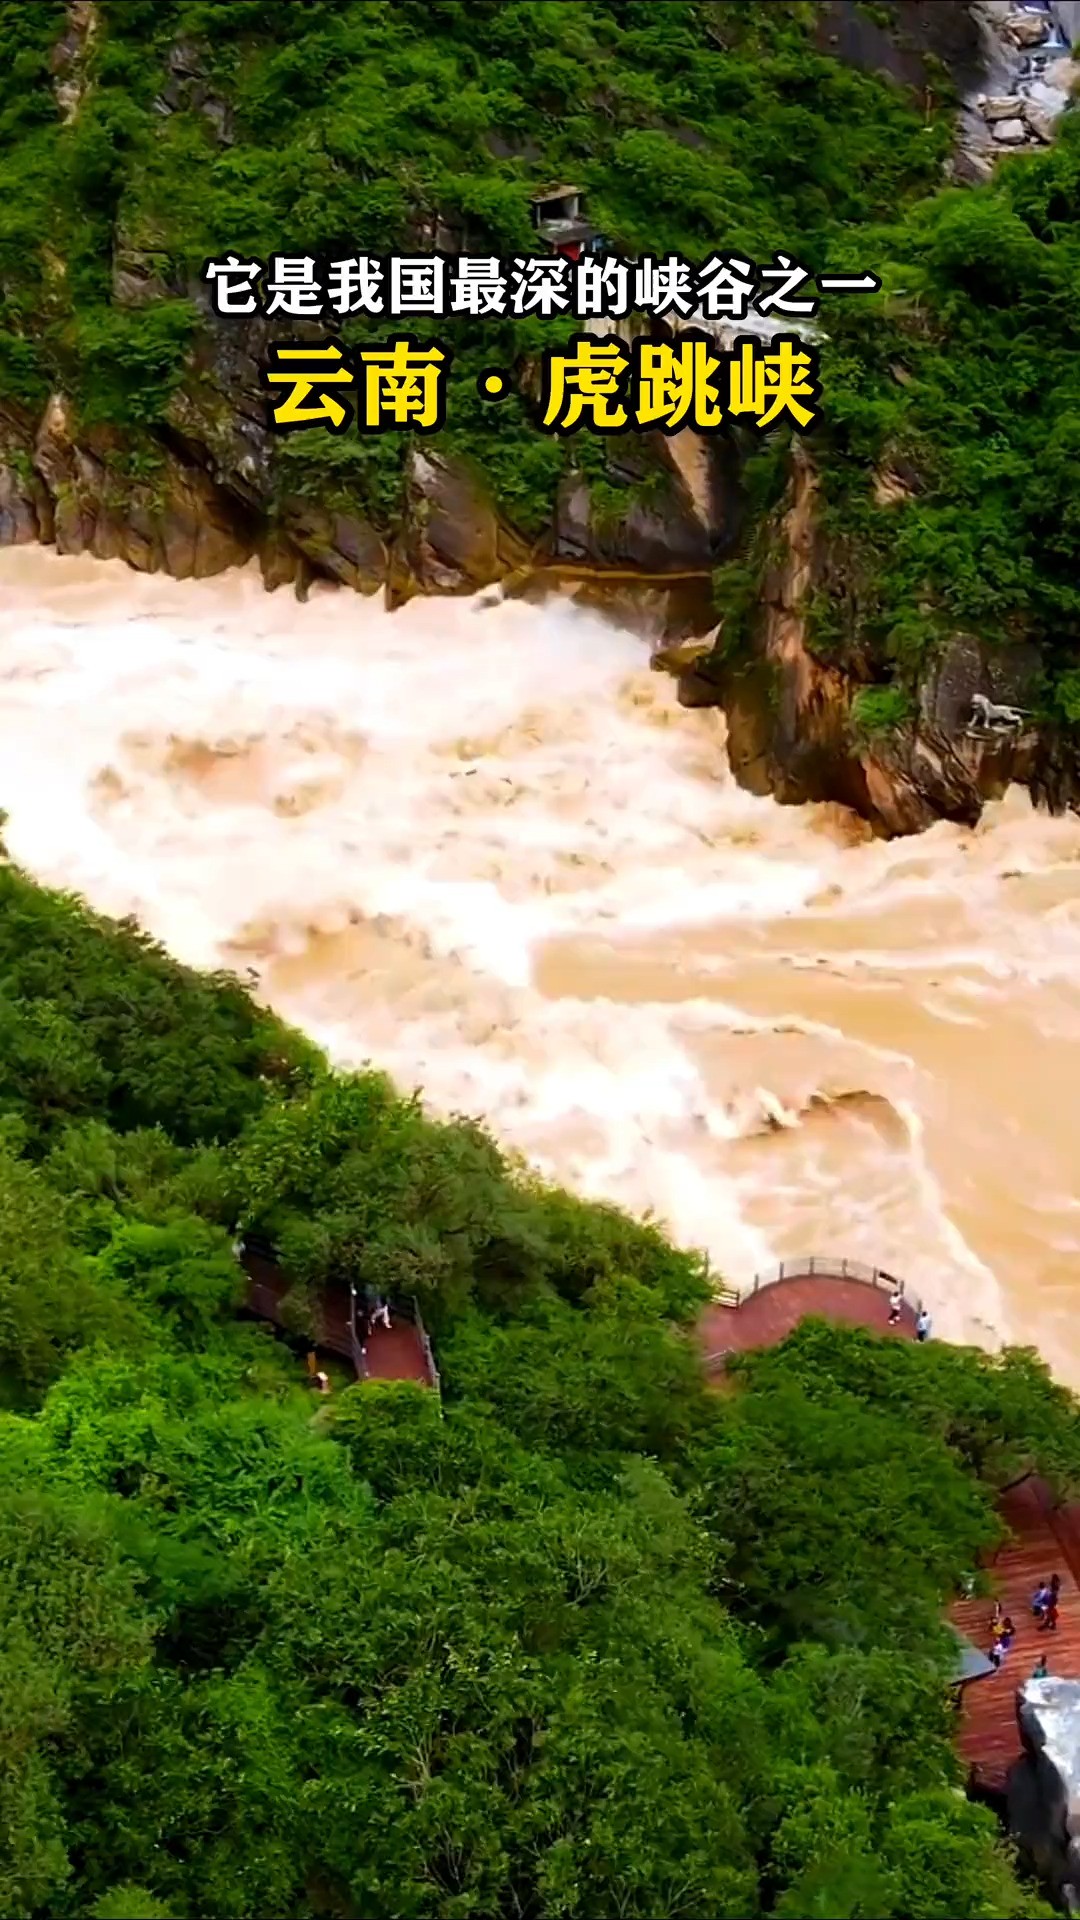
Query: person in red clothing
1050	1611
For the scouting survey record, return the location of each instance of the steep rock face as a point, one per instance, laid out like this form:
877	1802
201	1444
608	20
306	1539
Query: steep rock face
904	39
452	541
191	509
210	489
1045	1804
211	486
172	520
203	496
683	508
1006	63
790	727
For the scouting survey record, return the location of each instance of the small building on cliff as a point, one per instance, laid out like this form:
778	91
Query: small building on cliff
558	217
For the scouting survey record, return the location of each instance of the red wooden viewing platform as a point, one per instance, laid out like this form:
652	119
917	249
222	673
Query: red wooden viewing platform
401	1351
1044	1537
774	1304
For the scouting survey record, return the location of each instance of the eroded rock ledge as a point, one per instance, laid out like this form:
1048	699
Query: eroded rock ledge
790	727
204	493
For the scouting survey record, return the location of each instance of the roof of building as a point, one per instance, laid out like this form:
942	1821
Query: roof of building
555	193
971	1662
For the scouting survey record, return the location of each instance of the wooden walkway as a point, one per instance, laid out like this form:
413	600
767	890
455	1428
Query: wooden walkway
1046	1540
397	1352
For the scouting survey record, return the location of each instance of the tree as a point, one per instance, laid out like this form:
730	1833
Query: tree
49	1303
184	1273
75	1637
837	1520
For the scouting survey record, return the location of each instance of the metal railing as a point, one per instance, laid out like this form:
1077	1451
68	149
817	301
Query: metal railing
429	1354
357	1350
827	1267
409	1311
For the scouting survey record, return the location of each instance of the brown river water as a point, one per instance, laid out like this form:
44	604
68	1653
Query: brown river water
481	845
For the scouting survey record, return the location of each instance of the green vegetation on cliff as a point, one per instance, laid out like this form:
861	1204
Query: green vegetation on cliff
588	1638
342	124
964	385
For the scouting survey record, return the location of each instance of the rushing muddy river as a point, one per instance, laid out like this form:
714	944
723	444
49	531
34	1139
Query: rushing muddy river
482	846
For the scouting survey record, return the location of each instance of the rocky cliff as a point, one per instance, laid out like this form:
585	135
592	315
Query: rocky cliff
1044	1794
793	718
204	492
204	487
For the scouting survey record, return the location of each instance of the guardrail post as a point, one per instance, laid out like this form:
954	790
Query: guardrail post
356	1349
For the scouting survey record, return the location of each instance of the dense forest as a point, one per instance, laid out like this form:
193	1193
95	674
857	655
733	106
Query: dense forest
357	123
584	1637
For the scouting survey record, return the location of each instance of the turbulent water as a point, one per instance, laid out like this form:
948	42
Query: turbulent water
482	846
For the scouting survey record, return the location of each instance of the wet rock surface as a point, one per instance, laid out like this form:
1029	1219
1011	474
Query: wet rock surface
792	730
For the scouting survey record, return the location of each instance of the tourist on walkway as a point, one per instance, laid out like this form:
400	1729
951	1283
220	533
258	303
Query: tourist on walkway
1040	1671
1007	1634
896	1304
1040	1599
381	1315
1049	1621
997	1654
923	1325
